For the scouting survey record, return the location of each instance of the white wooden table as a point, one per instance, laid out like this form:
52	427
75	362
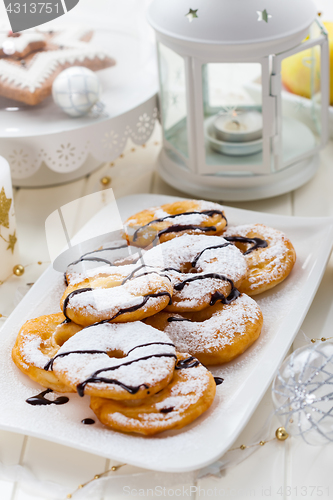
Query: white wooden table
278	470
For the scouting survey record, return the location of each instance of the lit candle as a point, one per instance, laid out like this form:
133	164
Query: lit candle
8	241
243	126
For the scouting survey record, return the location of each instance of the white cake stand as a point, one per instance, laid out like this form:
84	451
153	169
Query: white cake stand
44	146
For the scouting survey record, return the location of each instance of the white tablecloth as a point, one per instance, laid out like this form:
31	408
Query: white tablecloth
278	470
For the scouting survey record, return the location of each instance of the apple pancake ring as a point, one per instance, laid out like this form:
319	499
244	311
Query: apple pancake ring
173	219
203	269
217	334
112	298
37	342
189	394
119	361
105	257
269	253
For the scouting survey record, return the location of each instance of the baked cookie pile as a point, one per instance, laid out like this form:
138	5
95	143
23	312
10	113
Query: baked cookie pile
31	60
136	333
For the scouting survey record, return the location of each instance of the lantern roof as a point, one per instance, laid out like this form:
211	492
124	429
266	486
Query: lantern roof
231	22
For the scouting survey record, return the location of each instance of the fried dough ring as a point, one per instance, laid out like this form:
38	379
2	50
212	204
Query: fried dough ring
105	298
217	334
201	268
189	394
173	219
37	342
268	266
119	361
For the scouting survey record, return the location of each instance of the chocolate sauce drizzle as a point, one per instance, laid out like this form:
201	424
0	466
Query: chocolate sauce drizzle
122	311
177	227
143	266
49	364
233	295
94	379
88	421
218	380
173	318
94	259
195	261
167	410
97	259
180	286
256	242
40	400
190	362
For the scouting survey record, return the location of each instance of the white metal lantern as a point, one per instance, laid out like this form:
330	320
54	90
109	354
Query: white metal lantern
231	131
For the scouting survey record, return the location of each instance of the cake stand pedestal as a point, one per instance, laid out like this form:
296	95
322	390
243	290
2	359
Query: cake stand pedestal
44	146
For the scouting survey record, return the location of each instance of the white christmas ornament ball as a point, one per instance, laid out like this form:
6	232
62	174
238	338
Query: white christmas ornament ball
302	393
76	90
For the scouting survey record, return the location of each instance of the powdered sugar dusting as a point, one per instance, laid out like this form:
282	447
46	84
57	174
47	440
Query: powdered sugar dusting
117	338
184	394
111	300
266	264
30	350
216	332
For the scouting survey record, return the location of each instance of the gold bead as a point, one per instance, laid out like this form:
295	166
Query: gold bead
105	181
113	468
69	495
121	156
18	270
319	14
281	434
313	340
133	149
143	145
242	446
0	315
39	262
80	486
323	339
111	164
1	283
262	443
97	476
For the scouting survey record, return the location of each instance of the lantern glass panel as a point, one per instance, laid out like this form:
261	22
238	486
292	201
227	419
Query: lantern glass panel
301	104
173	99
233	120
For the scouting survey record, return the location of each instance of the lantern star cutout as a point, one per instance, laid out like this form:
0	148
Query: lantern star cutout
192	14
12	241
5	204
263	15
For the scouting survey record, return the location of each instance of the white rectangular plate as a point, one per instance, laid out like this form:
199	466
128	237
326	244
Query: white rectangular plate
245	380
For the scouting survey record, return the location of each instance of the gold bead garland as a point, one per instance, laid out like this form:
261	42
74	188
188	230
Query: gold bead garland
322	339
280	434
106	180
96	476
18	270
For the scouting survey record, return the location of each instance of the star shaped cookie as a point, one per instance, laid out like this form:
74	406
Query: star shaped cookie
30	79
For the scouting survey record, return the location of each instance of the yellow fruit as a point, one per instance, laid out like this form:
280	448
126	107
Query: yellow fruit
296	70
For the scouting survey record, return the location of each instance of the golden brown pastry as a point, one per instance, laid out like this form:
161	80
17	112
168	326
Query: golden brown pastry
215	335
173	219
269	254
37	342
189	394
119	361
